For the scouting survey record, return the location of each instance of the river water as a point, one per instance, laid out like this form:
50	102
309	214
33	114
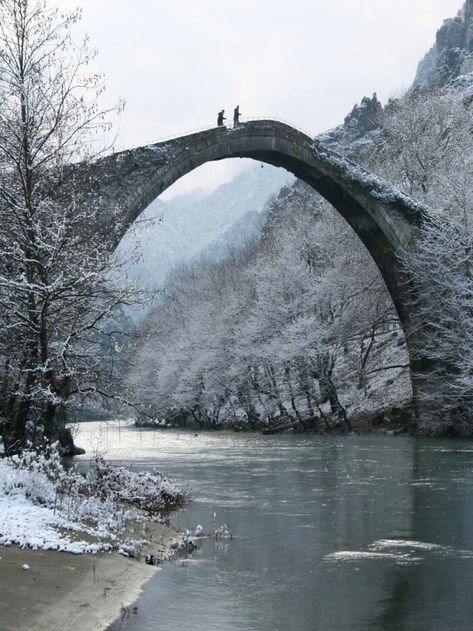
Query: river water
330	533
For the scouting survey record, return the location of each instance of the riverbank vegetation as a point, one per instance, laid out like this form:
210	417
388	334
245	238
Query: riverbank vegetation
426	147
44	506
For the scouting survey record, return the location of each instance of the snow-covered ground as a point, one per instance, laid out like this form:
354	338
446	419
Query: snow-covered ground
44	507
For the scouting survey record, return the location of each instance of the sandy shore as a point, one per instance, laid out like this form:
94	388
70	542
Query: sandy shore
74	592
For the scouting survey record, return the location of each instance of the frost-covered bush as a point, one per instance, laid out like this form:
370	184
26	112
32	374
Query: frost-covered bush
146	490
47	462
38	497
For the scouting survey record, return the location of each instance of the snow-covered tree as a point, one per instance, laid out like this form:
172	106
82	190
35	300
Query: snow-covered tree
55	280
287	331
426	146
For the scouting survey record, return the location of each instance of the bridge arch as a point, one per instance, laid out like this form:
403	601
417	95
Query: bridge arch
385	219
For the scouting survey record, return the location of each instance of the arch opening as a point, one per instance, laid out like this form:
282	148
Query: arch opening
384	219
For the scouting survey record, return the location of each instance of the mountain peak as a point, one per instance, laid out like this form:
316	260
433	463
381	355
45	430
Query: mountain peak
451	56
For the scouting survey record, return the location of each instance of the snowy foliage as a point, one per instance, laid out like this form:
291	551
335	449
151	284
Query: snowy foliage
425	146
298	328
57	287
272	334
147	490
44	506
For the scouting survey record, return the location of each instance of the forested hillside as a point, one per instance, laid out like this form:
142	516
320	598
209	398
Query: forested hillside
188	226
276	331
297	329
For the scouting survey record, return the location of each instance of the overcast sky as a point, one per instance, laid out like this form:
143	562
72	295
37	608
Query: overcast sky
177	62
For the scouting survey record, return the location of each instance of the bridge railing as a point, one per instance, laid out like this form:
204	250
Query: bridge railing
274	119
306	133
249	119
166	138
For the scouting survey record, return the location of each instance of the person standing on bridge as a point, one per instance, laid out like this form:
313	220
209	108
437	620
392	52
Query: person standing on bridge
221	118
236	116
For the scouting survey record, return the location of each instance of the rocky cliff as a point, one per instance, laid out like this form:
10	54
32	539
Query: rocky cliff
355	132
448	64
450	60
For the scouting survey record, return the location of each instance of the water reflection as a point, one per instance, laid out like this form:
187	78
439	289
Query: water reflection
331	533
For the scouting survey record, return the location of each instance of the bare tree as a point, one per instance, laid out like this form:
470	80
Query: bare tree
57	293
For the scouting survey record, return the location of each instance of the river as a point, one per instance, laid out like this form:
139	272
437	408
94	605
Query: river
330	533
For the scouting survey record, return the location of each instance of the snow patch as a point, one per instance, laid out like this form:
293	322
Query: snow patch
44	507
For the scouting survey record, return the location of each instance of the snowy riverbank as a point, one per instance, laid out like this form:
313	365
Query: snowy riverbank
43	506
109	520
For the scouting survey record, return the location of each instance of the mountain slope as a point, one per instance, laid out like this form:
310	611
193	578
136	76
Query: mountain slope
175	232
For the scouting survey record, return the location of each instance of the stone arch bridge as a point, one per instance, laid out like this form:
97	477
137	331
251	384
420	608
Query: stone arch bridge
123	184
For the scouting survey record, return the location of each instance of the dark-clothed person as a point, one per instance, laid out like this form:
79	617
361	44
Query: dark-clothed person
236	116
